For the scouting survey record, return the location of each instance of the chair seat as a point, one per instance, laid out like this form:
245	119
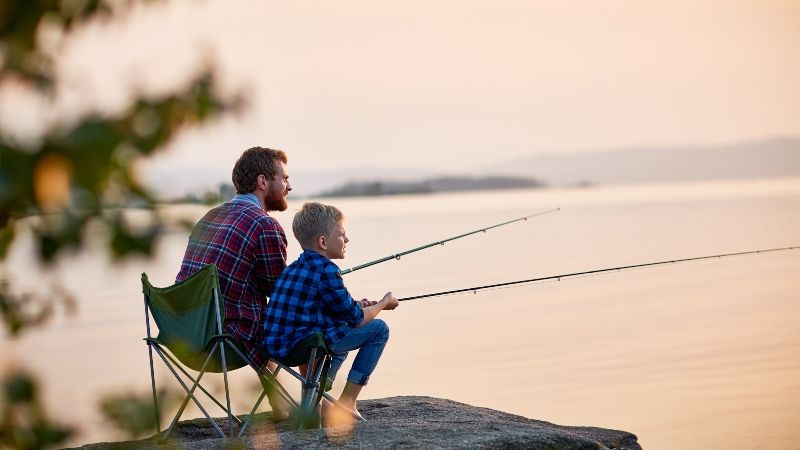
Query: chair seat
195	360
302	351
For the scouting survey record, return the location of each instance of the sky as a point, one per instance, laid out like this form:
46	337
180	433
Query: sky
452	85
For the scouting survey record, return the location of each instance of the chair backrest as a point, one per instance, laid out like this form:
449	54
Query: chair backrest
187	317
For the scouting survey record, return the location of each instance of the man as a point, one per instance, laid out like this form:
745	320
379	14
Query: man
248	247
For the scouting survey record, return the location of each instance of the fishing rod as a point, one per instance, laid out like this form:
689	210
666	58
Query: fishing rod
591	272
442	242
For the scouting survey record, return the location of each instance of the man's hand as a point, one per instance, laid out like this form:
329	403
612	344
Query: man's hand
390	301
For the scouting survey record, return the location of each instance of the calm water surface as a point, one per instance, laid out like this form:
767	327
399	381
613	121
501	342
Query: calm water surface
697	355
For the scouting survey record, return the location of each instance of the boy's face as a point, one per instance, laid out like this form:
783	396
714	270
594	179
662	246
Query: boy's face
336	240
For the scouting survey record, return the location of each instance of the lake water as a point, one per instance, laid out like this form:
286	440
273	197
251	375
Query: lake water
696	355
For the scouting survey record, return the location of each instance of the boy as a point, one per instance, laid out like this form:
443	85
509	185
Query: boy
310	296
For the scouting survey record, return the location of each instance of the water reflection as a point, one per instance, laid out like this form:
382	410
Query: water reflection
707	349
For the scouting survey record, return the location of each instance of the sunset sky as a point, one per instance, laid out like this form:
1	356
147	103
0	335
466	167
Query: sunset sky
449	84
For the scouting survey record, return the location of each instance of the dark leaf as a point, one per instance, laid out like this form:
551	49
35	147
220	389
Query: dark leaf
6	236
127	242
19	388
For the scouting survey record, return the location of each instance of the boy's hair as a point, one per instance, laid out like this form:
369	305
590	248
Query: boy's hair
314	220
255	161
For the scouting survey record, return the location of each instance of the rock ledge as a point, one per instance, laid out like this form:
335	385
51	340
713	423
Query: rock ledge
401	422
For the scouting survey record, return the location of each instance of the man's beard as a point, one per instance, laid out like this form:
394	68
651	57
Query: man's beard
275	201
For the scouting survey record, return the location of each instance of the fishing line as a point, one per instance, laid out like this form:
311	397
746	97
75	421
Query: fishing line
553	278
442	242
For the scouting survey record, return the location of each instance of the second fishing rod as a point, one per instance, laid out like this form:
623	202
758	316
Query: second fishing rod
565	276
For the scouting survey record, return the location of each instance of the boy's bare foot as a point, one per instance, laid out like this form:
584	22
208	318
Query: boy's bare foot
337	415
353	409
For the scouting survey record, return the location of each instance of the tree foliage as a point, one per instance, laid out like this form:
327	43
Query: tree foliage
82	170
76	176
23	422
134	413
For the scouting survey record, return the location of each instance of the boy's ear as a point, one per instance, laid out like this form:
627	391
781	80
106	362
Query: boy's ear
322	242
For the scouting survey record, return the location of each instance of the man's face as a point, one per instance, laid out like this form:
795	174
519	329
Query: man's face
277	189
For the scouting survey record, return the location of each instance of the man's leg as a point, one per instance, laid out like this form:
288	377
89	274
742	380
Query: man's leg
280	408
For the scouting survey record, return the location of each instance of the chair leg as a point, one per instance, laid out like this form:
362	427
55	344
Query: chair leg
307	393
271	377
190	395
200	386
266	376
150	357
322	378
252	413
314	384
227	391
324	394
272	380
153	385
283	392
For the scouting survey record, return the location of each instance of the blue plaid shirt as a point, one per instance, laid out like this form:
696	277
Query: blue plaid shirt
309	296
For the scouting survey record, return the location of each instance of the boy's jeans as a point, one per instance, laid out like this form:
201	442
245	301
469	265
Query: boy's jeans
370	340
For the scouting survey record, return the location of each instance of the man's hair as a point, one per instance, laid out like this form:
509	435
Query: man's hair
254	162
314	220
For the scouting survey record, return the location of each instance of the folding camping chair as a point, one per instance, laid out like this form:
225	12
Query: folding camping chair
189	317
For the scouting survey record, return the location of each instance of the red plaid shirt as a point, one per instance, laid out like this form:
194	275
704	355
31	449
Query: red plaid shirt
249	249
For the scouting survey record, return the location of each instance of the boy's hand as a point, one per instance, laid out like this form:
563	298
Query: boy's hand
390	301
365	302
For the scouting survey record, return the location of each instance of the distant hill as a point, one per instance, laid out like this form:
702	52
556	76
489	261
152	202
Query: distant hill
756	159
767	158
313	183
440	184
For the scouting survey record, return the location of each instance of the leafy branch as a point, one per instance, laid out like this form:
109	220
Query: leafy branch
76	178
